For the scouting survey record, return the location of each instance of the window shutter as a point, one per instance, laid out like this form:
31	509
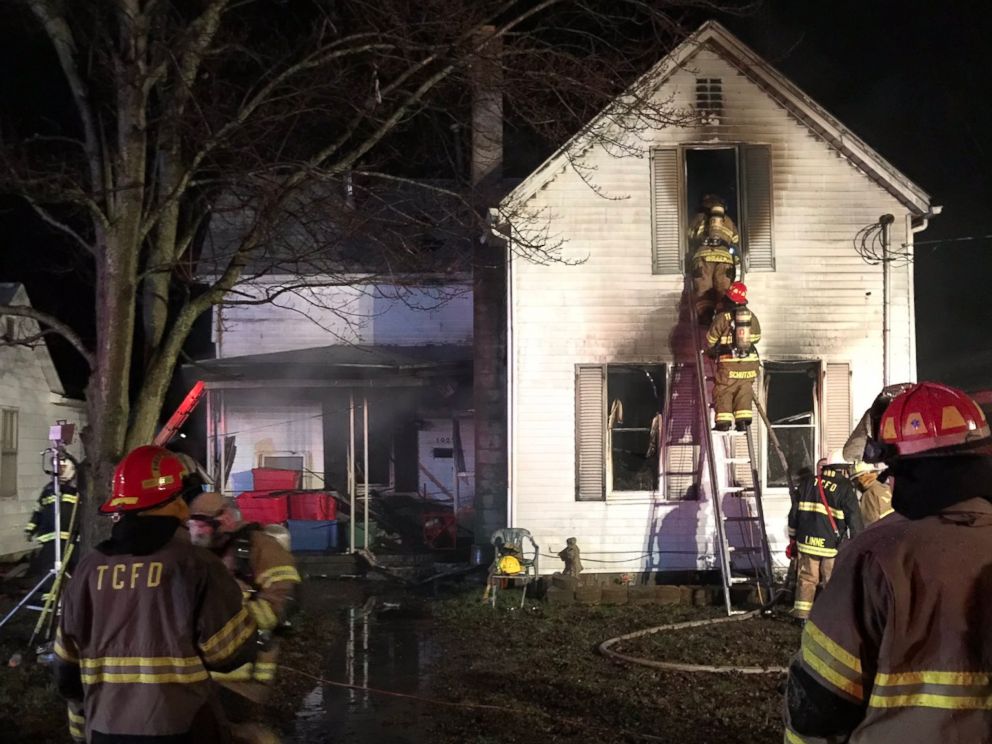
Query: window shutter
837	387
666	220
759	250
590	424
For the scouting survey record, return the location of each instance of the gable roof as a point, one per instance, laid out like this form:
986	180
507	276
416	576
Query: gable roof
714	37
14	293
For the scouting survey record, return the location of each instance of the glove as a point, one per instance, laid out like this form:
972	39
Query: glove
791	551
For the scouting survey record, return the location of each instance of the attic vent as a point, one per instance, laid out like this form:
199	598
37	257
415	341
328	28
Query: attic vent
709	99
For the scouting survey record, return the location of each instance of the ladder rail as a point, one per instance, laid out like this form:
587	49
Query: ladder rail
715	491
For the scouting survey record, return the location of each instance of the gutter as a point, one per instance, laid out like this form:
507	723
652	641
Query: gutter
915	224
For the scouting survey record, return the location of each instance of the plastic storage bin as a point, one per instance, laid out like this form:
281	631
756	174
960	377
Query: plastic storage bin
313	535
263	507
312	505
242	481
275	479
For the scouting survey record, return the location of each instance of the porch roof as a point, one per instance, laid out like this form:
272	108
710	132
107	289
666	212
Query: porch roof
336	366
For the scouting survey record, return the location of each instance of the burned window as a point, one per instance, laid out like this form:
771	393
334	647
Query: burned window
791	391
709	99
739	174
616	405
634	393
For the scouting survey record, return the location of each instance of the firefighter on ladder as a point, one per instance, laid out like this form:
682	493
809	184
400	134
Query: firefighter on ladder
715	242
267	573
731	338
824	510
146	616
898	646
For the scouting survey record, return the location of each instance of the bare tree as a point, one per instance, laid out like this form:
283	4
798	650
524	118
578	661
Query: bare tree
183	111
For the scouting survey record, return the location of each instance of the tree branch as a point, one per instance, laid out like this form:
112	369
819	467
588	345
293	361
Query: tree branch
46	216
60	35
56	325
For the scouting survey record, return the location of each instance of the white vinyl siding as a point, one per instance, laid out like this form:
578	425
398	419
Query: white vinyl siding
590	450
837	405
759	253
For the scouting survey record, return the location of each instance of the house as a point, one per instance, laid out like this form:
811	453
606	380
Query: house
31	401
382	371
586	338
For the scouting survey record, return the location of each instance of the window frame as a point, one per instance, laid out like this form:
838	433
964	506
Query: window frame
768	368
660	263
606	491
9	450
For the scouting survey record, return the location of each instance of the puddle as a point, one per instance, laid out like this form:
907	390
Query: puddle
382	647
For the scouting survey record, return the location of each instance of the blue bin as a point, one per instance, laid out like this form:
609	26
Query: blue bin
242	481
313	535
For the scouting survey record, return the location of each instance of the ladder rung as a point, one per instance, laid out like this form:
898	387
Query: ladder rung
737	460
734	489
742	580
742	519
749	549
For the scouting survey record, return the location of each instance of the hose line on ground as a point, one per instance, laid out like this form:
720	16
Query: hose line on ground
606	649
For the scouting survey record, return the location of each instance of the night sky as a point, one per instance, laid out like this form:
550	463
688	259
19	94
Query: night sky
913	85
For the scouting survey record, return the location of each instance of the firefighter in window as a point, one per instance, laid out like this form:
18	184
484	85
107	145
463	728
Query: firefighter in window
715	245
731	339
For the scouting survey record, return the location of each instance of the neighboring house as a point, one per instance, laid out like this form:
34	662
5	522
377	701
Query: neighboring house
291	378
585	337
31	400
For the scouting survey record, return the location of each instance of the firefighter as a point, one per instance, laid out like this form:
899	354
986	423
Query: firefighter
714	241
854	447
42	525
731	338
146	616
824	510
898	646
876	498
264	568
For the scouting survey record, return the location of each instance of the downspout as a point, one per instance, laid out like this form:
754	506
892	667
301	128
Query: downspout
911	230
499	232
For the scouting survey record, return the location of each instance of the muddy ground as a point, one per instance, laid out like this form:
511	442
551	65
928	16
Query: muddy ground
542	662
451	656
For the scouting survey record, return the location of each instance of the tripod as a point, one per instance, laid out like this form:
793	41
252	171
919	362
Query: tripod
60	435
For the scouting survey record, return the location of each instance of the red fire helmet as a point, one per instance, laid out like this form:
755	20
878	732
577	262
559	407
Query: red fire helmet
930	419
737	293
147	477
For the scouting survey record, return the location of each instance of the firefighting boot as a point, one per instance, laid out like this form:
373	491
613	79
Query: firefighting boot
722	426
741	425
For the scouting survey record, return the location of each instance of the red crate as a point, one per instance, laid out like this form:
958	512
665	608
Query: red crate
310	505
275	479
263	507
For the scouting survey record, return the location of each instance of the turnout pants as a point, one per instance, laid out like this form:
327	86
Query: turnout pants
732	395
813	571
710	281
